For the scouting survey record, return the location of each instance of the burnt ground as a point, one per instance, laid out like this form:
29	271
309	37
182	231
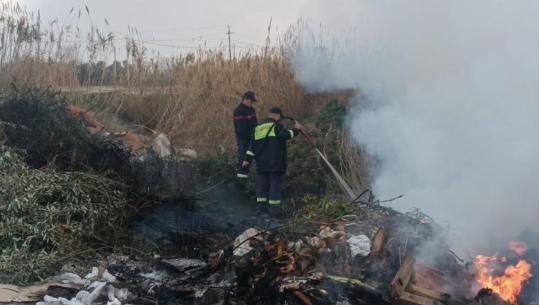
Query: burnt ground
193	263
195	228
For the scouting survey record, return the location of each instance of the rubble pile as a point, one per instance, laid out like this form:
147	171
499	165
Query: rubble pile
352	261
377	258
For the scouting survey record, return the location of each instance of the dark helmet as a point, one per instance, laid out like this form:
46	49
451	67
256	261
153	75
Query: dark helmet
249	95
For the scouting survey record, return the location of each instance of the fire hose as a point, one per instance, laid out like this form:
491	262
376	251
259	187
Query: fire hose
342	183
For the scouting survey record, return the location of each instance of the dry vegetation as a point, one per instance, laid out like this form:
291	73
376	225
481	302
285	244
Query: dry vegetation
190	97
195	110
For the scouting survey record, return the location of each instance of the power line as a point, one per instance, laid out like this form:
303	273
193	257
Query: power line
191	39
248	43
86	41
180	46
185	40
239	43
155	43
185	29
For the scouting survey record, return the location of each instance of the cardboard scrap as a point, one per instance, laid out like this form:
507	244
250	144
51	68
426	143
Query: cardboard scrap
11	294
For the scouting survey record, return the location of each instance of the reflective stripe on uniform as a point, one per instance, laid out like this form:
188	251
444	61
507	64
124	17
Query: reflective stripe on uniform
250	153
275	202
261	199
242	176
244	117
265	130
291	134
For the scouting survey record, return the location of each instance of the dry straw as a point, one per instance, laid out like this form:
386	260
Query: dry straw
190	97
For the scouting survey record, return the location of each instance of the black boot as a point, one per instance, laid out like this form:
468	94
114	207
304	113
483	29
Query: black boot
261	209
276	211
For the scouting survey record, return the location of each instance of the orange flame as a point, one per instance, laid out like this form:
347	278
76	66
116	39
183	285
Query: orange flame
518	247
507	285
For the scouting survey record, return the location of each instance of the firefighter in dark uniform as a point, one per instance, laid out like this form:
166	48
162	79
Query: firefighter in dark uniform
244	125
268	148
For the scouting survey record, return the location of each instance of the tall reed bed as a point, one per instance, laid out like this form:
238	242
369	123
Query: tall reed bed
189	96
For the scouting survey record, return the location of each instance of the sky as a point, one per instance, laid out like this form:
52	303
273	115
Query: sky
180	23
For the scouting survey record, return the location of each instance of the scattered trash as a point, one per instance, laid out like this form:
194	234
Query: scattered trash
98	289
155	275
359	245
100	273
187	153
329	235
242	245
268	268
162	145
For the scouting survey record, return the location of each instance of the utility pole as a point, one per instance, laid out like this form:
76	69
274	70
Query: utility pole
114	67
229	43
127	64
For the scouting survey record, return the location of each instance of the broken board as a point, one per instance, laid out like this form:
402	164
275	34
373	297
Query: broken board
404	292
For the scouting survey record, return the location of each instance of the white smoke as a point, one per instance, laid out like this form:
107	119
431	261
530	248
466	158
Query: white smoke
453	104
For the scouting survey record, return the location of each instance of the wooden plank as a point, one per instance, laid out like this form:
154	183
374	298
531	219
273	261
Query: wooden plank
403	276
378	242
420	291
429	278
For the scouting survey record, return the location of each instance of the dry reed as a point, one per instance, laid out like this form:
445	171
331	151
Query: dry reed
190	97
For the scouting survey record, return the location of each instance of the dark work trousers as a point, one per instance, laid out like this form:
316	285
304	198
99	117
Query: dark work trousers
243	146
268	188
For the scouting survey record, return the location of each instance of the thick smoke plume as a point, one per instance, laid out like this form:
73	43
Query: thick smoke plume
448	104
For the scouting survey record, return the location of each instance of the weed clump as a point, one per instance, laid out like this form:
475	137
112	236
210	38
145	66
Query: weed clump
46	215
310	211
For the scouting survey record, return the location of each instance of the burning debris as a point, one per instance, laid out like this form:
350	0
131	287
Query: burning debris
367	259
503	276
277	270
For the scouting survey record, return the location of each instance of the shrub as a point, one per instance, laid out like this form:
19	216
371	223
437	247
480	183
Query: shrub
46	215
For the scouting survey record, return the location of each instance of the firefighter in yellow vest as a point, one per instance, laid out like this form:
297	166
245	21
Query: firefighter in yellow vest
268	149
